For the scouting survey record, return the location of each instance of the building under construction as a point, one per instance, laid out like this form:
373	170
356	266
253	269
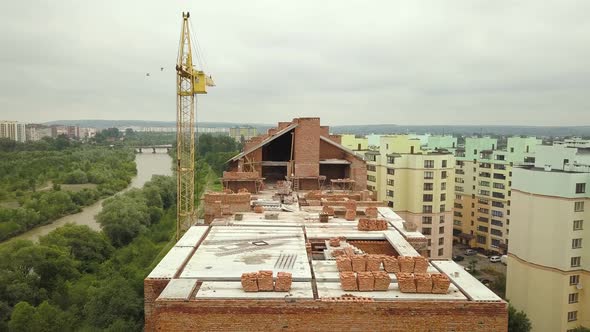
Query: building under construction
301	151
318	257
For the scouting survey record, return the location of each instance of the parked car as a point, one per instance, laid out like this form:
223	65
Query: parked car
495	259
470	252
458	258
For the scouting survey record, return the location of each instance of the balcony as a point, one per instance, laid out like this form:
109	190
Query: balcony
498	195
483	193
499	176
484	174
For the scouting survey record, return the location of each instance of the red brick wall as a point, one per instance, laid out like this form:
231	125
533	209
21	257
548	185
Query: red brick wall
336	138
283	125
378	247
336	315
237	185
240	175
329	151
325	131
152	288
307	147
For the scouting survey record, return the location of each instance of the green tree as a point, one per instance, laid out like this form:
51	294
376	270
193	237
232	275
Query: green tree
22	318
499	286
83	244
46	317
472	266
581	329
49	264
518	321
112	300
77	176
123	219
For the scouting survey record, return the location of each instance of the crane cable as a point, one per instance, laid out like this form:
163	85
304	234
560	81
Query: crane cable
200	56
197	50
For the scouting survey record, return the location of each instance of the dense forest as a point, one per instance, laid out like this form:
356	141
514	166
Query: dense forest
80	279
45	180
76	278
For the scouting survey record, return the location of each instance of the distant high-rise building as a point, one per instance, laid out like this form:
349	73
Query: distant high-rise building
418	183
69	131
354	142
549	256
483	177
88	133
13	130
246	132
36	132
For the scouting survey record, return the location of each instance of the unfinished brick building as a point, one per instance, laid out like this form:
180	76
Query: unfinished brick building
301	151
350	264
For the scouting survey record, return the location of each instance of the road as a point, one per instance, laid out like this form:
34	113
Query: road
485	268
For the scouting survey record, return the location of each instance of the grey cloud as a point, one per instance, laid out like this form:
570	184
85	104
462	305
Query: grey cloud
405	62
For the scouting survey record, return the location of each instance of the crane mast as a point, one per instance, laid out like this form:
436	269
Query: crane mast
189	82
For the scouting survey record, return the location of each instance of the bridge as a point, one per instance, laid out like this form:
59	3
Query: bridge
153	148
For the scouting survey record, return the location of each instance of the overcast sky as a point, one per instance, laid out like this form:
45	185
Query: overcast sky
349	62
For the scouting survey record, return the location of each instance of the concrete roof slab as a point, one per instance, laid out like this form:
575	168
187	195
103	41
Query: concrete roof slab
178	289
233	290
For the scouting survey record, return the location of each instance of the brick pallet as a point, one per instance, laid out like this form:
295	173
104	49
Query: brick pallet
420	264
348	281
359	263
265	282
406	282
283	282
344	264
440	283
366	281
250	281
406	264
382	280
374	262
423	283
390	264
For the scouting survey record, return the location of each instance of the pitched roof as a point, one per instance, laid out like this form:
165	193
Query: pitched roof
265	141
341	147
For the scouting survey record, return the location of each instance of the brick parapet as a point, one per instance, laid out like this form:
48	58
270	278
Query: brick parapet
331	314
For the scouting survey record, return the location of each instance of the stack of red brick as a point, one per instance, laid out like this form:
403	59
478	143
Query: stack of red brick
366	224
365	281
329	210
435	283
410	271
371	212
263	281
368	275
334	242
350	206
406	264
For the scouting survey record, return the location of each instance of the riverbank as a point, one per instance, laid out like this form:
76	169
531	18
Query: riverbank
147	164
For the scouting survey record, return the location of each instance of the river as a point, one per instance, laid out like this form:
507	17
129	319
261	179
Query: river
148	164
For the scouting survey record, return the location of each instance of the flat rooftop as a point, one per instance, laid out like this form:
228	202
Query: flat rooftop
208	261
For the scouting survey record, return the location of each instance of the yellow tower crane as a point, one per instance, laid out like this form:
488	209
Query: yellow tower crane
190	81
